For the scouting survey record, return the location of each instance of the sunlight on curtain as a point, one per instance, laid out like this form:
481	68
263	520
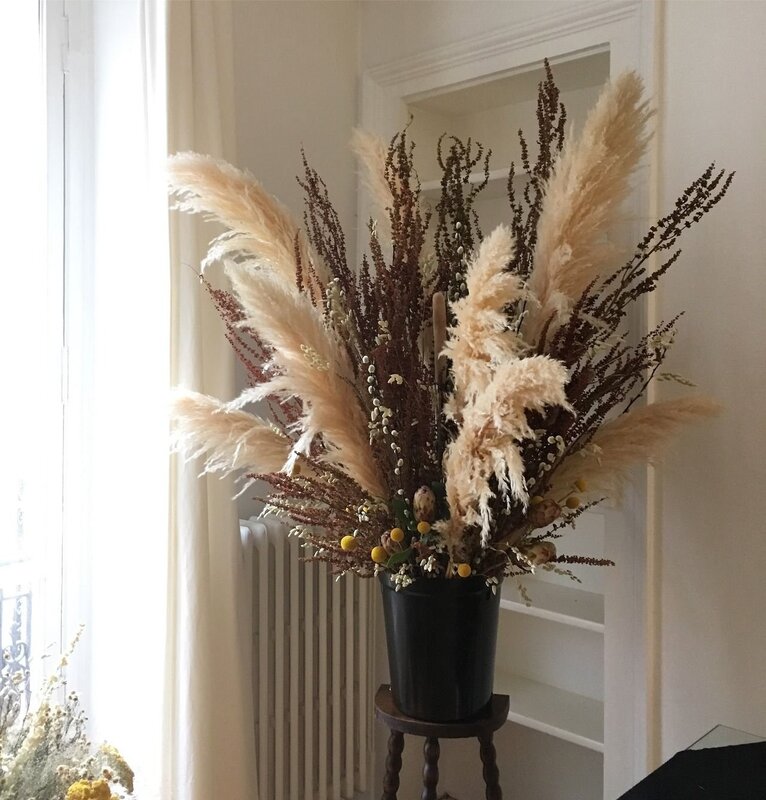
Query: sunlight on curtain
163	667
210	733
124	295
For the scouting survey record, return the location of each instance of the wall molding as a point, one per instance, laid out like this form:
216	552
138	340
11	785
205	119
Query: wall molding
502	41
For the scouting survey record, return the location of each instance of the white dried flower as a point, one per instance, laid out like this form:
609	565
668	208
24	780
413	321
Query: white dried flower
429	564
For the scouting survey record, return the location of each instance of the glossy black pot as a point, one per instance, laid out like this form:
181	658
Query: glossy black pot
441	637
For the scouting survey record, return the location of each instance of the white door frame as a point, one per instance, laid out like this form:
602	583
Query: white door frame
626	28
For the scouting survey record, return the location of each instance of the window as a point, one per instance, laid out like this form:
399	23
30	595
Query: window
31	339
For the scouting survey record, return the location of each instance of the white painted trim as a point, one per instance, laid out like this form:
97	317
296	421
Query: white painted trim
503	41
627	29
653	563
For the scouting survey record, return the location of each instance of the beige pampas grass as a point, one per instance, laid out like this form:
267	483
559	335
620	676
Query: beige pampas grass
632	438
308	362
480	340
259	225
229	439
487	445
583	198
371	152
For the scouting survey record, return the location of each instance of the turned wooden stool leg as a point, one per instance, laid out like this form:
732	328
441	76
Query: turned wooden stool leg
430	768
393	765
491	772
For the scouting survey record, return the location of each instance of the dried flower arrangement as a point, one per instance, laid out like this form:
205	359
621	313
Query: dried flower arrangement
45	753
444	412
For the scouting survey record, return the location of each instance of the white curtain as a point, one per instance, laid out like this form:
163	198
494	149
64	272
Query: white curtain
118	296
209	725
156	552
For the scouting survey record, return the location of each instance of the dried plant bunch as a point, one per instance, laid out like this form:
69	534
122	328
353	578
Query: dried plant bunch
447	407
45	752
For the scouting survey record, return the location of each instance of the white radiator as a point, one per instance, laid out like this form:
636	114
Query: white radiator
312	665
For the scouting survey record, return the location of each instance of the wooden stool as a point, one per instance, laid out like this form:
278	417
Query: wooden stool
399	724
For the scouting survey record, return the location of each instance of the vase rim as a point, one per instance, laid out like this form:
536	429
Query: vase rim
440	585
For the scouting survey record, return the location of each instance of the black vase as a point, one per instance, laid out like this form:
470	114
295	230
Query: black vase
441	637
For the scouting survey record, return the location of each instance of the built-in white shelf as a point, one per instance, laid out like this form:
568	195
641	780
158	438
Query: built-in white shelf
565	715
563	604
495	188
559	639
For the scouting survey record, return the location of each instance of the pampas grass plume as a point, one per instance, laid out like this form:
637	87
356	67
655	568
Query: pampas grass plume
229	439
487	445
480	339
636	437
582	200
308	362
371	153
259	225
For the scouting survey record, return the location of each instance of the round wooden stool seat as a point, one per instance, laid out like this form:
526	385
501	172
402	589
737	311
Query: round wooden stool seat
481	728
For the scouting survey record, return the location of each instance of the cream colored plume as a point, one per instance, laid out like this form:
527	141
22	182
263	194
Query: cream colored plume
371	152
488	443
480	340
582	201
259	225
632	438
229	439
308	362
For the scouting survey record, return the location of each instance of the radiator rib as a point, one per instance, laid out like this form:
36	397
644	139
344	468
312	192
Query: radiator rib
294	702
309	609
311	655
322	699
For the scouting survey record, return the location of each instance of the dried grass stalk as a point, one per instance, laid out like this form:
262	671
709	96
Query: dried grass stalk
583	198
439	326
308	362
488	443
229	439
259	225
632	438
480	339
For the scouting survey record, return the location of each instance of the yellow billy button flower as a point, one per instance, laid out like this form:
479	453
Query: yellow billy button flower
89	790
573	501
464	570
379	555
348	543
397	534
536	500
581	484
423	527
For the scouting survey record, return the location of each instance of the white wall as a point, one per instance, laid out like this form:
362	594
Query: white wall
295	67
712	521
394	30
